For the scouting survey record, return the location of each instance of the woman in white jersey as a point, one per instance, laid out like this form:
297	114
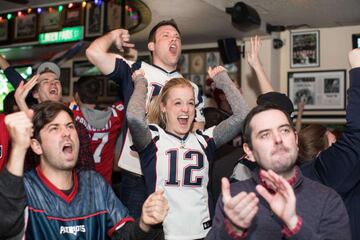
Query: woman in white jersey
175	159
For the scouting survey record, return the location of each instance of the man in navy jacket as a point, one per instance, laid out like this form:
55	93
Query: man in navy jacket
339	165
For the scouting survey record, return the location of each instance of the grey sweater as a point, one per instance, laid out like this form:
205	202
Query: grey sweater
322	211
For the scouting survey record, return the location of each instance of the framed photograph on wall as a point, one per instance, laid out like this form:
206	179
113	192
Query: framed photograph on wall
212	60
183	64
304	49
198	79
73	16
50	21
197	63
356	40
25	27
320	90
94	23
194	63
4	32
113	16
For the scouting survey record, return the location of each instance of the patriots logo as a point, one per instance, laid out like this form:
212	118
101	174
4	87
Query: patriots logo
72	229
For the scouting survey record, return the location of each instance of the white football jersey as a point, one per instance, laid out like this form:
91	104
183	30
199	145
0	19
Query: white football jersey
180	166
157	77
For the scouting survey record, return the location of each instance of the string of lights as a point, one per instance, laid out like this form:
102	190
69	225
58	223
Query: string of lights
39	10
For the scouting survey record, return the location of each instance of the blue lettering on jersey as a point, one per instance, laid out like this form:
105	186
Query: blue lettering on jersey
190	155
155	89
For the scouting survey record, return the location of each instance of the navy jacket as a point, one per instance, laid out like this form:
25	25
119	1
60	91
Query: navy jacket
339	166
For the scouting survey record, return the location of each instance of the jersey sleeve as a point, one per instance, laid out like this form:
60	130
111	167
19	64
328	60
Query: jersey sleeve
118	214
207	142
12	204
13	76
338	166
122	76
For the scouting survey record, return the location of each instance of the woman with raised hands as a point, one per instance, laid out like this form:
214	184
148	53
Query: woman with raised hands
175	159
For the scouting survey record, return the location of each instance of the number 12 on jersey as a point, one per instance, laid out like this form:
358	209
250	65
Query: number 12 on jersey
188	170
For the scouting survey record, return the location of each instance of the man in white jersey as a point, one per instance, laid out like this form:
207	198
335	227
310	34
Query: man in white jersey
164	43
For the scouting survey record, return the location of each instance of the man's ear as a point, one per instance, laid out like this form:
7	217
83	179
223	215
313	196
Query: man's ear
249	153
151	46
297	139
36	146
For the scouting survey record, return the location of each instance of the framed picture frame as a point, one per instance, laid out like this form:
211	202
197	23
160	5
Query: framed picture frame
113	16
25	27
183	64
212	60
50	21
198	79
65	81
197	63
320	90
4	32
94	22
356	40
73	16
305	49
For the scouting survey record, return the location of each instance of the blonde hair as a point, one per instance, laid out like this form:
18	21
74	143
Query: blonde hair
155	115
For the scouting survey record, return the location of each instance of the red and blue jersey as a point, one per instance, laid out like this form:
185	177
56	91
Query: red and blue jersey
90	211
103	140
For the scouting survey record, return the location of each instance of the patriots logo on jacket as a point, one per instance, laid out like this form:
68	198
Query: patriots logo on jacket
72	229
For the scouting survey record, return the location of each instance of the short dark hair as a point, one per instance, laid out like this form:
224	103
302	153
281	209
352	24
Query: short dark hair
170	22
88	89
256	110
277	98
46	112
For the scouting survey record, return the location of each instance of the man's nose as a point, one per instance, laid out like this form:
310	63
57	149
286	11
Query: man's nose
65	131
277	137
